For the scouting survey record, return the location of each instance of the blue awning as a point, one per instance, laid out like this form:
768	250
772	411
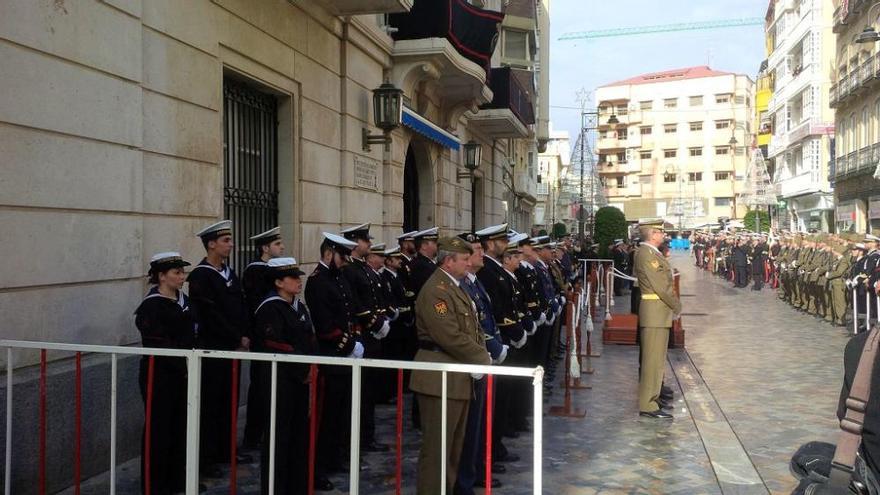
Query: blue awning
429	130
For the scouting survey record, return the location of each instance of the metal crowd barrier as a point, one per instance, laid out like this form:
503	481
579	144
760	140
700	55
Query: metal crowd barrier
195	358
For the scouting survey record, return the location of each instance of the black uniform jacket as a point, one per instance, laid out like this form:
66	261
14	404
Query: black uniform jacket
285	328
166	323
329	298
499	286
217	298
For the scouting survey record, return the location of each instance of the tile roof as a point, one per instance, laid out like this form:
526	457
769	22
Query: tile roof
670	75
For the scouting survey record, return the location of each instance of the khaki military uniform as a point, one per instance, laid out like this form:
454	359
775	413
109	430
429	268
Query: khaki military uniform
656	309
836	277
449	332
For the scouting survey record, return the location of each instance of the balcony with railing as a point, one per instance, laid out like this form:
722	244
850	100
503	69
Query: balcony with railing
511	111
850	85
857	163
617	167
610	143
631	190
446	43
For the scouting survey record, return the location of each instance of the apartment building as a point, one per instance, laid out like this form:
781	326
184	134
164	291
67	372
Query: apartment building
673	144
855	96
801	48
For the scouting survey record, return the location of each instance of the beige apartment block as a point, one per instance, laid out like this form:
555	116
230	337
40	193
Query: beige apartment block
128	125
554	169
855	97
674	144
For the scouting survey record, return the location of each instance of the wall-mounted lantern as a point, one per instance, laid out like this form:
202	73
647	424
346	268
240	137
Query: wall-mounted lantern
387	114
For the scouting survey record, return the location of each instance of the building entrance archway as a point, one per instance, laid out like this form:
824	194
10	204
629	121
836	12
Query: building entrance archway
418	189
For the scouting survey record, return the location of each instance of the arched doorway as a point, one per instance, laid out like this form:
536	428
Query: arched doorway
418	190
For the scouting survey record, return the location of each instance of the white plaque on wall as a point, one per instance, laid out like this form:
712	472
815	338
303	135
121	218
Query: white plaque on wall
366	173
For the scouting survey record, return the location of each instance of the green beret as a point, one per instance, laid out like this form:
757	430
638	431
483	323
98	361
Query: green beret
454	245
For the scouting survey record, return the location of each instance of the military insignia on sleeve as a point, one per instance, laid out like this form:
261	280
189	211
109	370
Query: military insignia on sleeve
441	308
655	264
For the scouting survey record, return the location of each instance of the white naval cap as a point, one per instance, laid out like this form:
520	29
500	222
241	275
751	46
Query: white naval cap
215	230
337	241
517	238
494	232
431	234
407	236
361	231
268	236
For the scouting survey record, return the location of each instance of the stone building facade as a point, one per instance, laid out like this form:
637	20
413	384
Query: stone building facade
127	125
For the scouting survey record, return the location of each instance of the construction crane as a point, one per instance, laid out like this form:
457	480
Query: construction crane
662	28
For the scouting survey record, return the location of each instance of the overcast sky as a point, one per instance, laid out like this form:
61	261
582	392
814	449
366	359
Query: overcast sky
591	63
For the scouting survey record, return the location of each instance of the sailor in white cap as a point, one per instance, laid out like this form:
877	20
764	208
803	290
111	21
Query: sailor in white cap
374	322
424	264
268	245
223	325
331	303
283	326
164	320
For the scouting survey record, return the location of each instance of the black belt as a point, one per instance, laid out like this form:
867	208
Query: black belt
429	346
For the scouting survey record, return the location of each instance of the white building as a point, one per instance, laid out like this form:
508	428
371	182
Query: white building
802	51
665	140
553	167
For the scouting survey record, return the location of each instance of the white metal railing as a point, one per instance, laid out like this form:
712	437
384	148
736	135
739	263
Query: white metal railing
194	359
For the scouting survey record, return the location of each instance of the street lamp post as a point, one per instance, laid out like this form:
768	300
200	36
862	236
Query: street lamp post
473	152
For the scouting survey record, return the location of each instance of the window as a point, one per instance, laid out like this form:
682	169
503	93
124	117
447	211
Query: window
695	176
739	150
621	157
670	103
603	134
644	155
516	44
722	150
603	159
622	109
696	126
646	105
740	100
722	176
543	188
645	131
250	178
722	98
622	133
670	178
722	124
695	151
670	128
696	101
722	201
669	153
621	181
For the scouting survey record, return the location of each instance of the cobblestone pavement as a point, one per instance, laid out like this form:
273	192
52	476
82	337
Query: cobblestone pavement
758	379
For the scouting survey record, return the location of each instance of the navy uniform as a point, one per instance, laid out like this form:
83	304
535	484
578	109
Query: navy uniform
329	298
283	326
372	312
504	295
471	468
552	306
255	285
166	323
217	297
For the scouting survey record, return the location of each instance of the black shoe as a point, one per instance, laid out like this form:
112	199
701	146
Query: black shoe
666	406
496	483
658	414
498	468
373	446
506	458
322	484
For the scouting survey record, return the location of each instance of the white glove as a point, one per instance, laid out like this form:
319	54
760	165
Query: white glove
521	342
477	376
827	274
396	314
382	332
552	319
504	349
559	310
358	351
848	283
534	329
562	300
542	319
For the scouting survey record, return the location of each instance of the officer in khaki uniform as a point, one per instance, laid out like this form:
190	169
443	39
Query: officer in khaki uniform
449	332
658	305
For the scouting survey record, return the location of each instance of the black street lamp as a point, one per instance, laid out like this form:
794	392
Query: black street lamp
387	115
473	153
613	119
